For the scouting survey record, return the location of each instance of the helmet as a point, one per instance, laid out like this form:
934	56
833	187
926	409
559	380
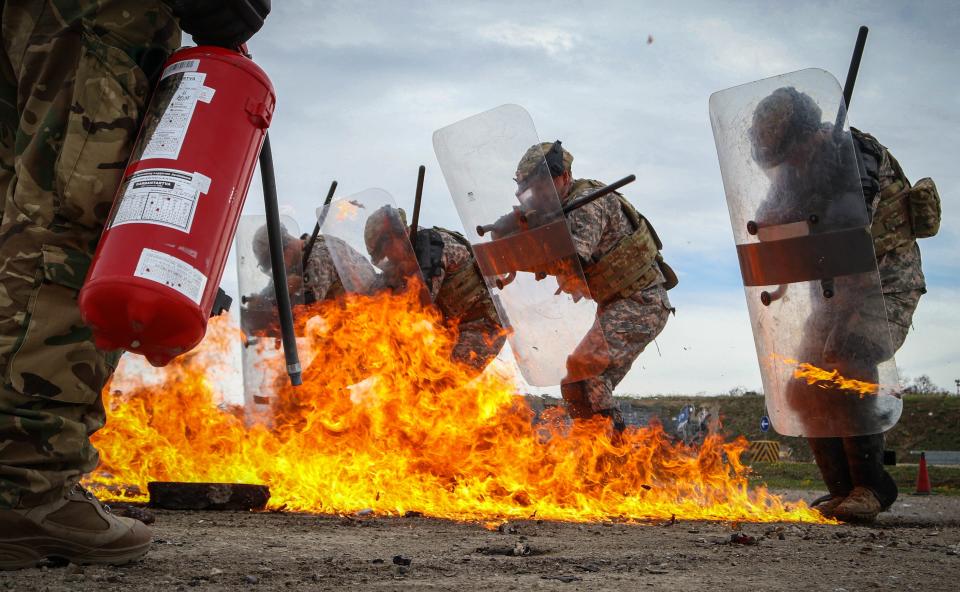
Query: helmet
261	244
384	224
783	119
544	158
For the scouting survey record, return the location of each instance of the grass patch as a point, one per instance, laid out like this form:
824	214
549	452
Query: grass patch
929	422
793	475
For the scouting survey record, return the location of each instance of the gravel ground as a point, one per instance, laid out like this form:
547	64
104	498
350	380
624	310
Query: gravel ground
916	546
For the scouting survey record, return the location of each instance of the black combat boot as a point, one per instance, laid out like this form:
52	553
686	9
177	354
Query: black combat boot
831	459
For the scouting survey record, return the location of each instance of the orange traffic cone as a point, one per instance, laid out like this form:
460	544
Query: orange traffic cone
923	478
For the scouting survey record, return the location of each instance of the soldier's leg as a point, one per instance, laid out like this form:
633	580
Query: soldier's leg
478	342
865	458
583	390
831	459
81	87
9	121
864	454
628	326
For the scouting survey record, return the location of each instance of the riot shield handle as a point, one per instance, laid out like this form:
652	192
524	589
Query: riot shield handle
278	264
316	229
503	280
417	198
767	297
512	223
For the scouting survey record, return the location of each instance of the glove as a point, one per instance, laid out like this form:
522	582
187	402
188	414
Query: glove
572	284
225	23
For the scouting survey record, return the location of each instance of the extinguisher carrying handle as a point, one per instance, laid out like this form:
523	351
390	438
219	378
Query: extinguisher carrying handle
278	264
221	303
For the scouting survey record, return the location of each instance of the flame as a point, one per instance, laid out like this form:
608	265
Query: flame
385	421
829	379
347	209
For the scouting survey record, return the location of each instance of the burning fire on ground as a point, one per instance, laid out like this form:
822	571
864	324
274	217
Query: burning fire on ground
385	421
830	379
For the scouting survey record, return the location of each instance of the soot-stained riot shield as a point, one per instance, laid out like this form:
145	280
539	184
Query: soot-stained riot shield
802	230
523	246
368	241
262	353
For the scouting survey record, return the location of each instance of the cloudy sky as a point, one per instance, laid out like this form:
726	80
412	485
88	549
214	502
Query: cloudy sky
362	86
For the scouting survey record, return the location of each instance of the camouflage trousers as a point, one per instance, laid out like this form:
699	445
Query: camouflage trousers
478	343
855	338
900	307
849	462
623	330
74	78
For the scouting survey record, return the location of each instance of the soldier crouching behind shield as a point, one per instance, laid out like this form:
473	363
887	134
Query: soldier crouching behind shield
260	310
811	172
316	279
619	252
453	281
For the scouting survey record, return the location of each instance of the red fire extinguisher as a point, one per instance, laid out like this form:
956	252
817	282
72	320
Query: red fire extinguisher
159	262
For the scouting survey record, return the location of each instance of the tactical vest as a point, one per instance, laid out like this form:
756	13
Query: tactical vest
429	252
903	212
634	263
463	293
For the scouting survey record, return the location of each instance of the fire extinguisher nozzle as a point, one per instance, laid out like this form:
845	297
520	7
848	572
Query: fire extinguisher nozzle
295	372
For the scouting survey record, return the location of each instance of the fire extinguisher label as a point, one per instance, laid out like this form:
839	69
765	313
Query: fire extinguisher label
171	272
181	66
171	110
165	197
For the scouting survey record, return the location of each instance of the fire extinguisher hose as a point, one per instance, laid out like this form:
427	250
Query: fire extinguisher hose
278	264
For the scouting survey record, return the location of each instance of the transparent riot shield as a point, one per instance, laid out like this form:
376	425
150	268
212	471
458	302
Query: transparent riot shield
262	353
368	241
523	247
802	231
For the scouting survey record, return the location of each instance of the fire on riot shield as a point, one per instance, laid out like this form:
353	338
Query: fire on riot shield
802	230
368	240
262	354
522	245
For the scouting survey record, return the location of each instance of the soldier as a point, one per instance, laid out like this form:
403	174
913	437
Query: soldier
625	273
804	155
317	278
74	81
454	283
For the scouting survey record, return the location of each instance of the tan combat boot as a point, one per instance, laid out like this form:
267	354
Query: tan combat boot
828	505
76	527
860	506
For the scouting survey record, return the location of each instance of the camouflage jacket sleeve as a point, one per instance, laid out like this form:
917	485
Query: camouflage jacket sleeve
596	227
320	272
455	256
900	269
